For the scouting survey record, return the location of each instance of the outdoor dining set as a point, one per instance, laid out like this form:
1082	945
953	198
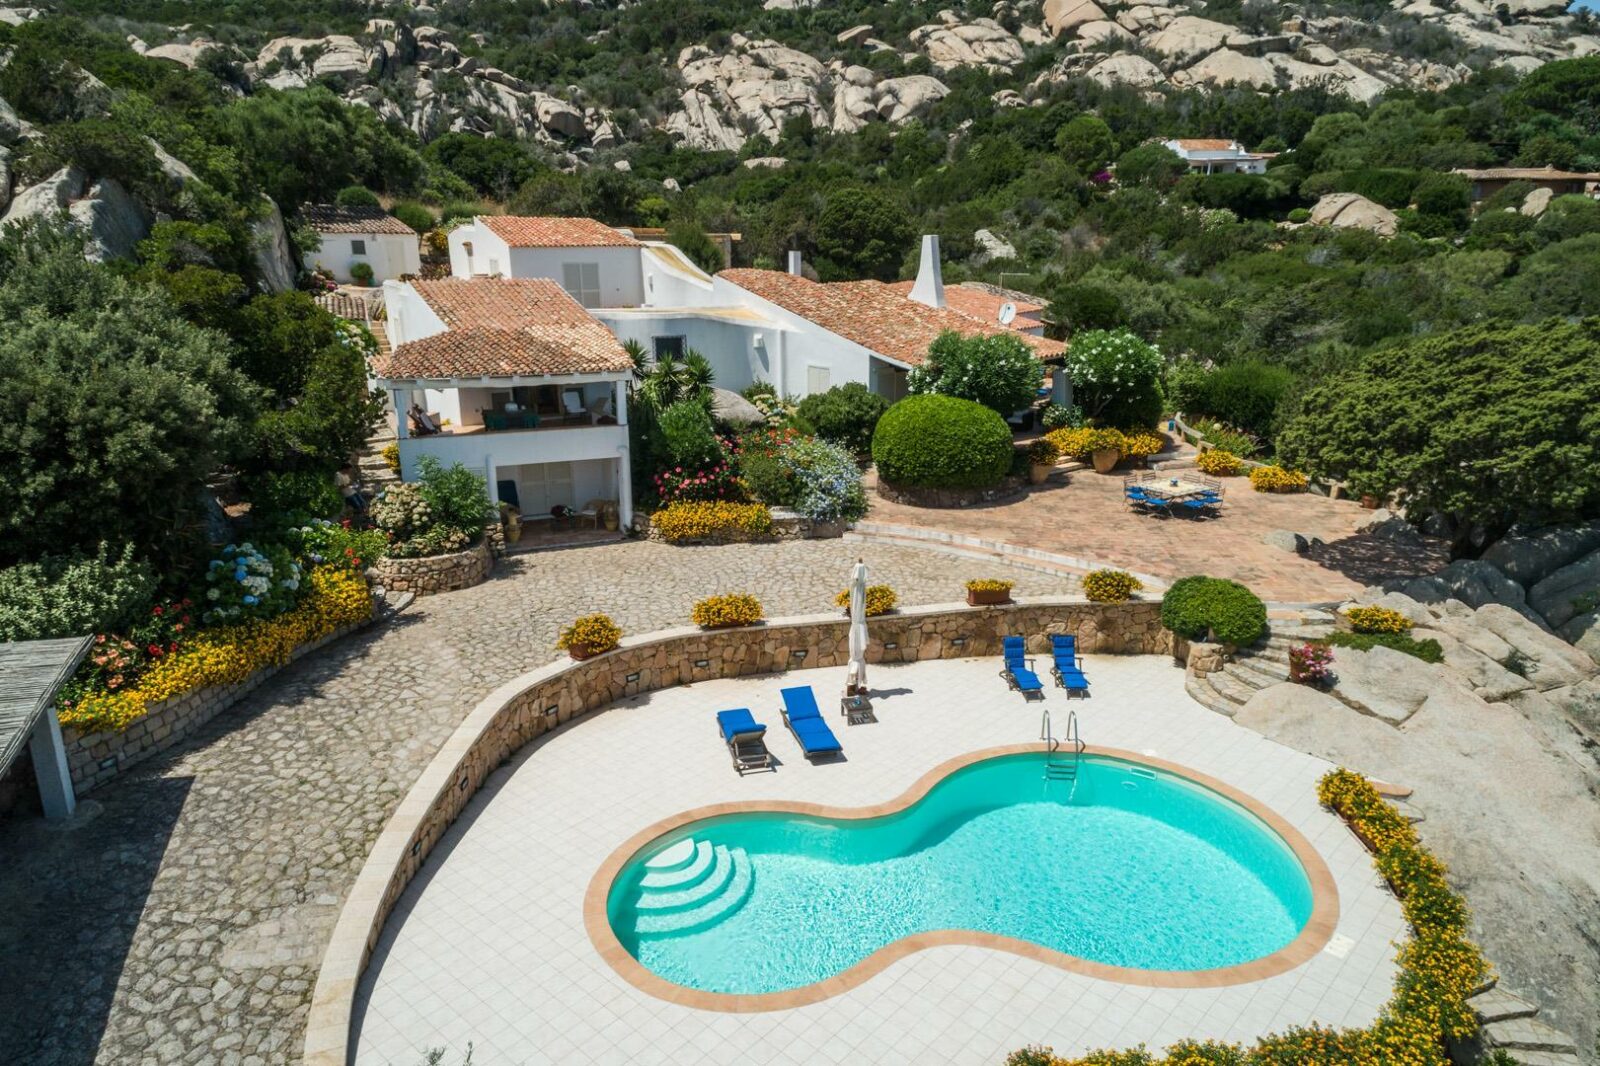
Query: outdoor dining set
1162	494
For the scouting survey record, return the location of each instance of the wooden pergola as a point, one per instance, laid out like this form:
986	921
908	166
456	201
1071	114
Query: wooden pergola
31	673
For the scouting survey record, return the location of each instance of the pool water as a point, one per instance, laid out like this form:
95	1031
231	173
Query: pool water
1122	865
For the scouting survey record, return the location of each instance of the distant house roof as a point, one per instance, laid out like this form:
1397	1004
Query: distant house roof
539	231
31	672
503	327
1204	144
1525	174
332	218
982	305
872	314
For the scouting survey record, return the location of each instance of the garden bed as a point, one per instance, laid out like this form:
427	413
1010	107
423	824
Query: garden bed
436	573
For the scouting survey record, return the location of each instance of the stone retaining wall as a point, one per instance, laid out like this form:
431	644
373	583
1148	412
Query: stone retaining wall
950	499
436	573
530	706
95	758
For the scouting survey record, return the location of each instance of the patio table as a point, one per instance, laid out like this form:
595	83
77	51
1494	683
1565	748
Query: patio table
1172	488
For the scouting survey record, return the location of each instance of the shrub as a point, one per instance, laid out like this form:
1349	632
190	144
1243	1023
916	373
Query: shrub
414	215
597	632
1300	214
1058	417
64	596
1245	395
1372	619
391	456
1043	452
339	544
1277	479
1201	608
294	498
990	584
733	609
1429	650
361	273
827	481
765	476
1226	437
712	521
718	482
245	583
997	370
845	414
881	599
690	437
941	442
1105	439
1110	586
356	196
402	513
335	597
1116	377
440	540
1141	444
1218	463
457	498
1310	664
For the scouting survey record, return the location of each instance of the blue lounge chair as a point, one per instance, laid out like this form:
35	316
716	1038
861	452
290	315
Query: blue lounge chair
746	740
804	719
1068	668
1017	672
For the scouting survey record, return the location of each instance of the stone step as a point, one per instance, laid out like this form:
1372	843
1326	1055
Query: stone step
1527	1034
733	896
707	887
1207	695
1231	688
1496	1004
1543	1058
1259	672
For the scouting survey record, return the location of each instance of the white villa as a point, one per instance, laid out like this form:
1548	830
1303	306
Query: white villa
462	350
1216	156
351	235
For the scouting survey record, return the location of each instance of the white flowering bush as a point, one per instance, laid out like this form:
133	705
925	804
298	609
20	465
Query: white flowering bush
1116	378
827	479
245	582
1000	371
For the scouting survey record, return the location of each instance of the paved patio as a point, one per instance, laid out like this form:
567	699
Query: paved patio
488	946
1083	514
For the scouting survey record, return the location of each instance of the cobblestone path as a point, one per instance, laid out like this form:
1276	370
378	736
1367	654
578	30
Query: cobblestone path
183	918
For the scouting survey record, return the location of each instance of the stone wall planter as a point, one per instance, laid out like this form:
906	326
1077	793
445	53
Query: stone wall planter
436	573
950	499
1207	658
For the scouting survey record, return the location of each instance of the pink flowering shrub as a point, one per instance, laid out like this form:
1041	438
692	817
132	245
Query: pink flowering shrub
1311	664
718	482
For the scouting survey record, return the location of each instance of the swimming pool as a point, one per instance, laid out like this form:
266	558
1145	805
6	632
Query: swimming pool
1119	864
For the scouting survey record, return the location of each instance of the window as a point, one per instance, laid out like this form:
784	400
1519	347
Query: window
582	282
818	379
672	346
358	247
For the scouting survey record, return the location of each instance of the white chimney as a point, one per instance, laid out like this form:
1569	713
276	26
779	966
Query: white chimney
794	263
929	288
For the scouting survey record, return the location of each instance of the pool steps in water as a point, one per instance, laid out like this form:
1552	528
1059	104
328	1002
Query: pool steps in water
706	891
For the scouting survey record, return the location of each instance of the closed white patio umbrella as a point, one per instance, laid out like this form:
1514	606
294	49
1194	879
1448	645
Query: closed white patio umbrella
856	680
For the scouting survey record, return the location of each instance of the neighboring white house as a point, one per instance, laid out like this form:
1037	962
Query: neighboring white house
370	235
1216	156
525	386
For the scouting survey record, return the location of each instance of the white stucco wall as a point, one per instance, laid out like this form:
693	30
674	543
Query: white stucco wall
740	353
389	254
802	347
671	279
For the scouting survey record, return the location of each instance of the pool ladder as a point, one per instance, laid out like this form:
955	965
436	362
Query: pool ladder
1060	767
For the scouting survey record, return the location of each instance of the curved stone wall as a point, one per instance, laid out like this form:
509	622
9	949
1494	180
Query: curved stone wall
535	703
436	573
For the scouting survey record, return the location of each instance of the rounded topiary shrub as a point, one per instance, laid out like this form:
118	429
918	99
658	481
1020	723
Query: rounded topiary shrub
941	442
1198	607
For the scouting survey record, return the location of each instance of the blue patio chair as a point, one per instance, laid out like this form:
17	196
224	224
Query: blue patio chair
1018	669
804	719
1068	668
746	740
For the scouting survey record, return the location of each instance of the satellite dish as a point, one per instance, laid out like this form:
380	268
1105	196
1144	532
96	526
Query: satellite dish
1008	312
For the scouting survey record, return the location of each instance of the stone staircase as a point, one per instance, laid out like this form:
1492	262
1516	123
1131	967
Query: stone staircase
691	885
1262	665
375	473
1510	1024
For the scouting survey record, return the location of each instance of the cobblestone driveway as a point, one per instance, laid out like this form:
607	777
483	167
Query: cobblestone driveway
183	920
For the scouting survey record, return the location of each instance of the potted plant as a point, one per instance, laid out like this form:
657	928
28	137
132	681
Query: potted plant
1105	449
609	516
1042	456
591	635
881	599
988	592
726	612
511	522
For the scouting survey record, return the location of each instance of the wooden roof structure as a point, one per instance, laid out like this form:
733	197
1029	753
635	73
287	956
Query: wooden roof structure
31	672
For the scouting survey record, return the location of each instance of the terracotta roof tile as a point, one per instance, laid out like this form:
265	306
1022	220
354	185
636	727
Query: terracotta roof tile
980	305
331	218
1525	174
499	327
536	231
872	314
1204	144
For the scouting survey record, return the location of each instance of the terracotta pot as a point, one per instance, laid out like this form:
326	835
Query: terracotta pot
1105	460
513	529
1039	473
581	652
988	597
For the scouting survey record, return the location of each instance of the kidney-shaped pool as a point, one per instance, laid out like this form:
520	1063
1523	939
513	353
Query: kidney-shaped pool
1112	861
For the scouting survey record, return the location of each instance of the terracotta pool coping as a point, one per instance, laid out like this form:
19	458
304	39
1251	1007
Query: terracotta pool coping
1312	938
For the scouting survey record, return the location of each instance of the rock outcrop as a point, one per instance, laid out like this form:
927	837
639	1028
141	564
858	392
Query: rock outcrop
1348	210
113	223
982	43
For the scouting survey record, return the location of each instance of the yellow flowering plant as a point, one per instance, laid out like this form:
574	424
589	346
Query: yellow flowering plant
881	599
1110	586
1277	479
712	520
1377	620
733	609
1070	443
990	584
1218	463
1141	444
337	596
1107	439
596	632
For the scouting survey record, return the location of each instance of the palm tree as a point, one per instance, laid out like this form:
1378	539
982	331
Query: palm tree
672	380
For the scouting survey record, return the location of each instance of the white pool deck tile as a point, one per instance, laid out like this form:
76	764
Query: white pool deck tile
488	946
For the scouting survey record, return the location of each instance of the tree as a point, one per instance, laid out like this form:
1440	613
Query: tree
356	196
118	409
1116	378
1491	424
1086	142
687	236
997	370
1562	279
492	165
1150	164
861	233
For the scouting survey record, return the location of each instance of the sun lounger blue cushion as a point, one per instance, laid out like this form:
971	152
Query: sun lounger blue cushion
800	702
738	722
1017	665
1027	680
814	736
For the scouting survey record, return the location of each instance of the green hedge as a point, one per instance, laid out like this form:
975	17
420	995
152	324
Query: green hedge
941	442
1196	606
1429	651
